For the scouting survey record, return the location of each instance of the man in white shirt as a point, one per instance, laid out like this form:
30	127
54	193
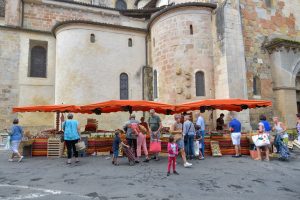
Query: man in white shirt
200	122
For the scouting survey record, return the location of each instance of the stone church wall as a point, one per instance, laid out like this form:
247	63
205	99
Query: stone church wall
9	66
45	16
260	21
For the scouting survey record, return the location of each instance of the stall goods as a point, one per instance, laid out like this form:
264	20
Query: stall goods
215	148
39	147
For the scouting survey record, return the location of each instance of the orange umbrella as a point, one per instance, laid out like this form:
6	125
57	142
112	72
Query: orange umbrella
222	104
48	108
129	106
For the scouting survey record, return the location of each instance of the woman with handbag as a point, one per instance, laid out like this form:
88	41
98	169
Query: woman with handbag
189	135
16	135
71	137
176	129
263	128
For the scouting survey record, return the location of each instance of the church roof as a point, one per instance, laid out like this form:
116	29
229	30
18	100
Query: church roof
114	26
171	7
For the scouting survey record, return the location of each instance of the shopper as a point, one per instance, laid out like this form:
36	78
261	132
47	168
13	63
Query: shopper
71	137
141	133
220	122
189	135
177	129
200	122
198	139
173	152
235	129
298	126
116	147
16	135
280	129
155	126
263	127
144	124
131	137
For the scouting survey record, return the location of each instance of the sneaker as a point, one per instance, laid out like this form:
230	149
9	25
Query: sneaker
235	156
201	158
187	164
176	173
136	161
21	158
168	174
146	160
10	160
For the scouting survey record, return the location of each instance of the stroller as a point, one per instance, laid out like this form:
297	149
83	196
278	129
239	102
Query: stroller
282	149
129	154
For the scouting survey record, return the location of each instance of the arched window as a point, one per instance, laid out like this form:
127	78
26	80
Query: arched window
191	30
200	84
121	5
256	86
155	93
92	38
269	3
38	59
130	42
124	94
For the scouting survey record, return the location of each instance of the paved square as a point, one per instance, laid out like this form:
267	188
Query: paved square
40	178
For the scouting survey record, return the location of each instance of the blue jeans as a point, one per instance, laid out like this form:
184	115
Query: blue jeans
189	145
202	141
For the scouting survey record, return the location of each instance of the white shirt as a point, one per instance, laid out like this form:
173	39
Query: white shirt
200	122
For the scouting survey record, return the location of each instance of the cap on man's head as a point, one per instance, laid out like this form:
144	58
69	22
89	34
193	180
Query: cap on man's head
152	111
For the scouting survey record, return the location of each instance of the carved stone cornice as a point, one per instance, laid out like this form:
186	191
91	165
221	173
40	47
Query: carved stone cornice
279	44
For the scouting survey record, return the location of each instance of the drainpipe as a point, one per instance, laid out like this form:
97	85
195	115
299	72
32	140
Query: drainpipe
143	69
22	17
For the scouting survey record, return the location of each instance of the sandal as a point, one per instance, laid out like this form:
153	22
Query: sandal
257	159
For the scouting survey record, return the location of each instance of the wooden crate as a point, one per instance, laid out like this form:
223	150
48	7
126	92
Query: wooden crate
55	148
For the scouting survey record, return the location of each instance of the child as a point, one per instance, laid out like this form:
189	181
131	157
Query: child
199	140
173	152
116	144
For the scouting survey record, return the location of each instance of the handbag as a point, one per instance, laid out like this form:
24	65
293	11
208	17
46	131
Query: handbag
80	146
186	134
155	146
196	148
7	145
261	140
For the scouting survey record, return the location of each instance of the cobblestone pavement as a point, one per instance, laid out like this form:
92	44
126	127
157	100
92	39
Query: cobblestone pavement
40	178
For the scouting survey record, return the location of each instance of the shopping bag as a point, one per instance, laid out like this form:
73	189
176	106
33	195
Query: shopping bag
80	146
196	148
155	147
261	140
7	146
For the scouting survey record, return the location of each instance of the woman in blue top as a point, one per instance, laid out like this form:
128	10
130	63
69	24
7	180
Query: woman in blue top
16	135
71	137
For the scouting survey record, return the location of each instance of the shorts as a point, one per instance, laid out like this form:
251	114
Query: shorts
236	138
116	153
14	146
180	144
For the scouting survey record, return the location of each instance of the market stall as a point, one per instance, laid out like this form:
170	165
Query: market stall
99	142
222	138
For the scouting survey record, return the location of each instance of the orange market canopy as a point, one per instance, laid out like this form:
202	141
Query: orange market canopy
48	108
222	104
128	106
